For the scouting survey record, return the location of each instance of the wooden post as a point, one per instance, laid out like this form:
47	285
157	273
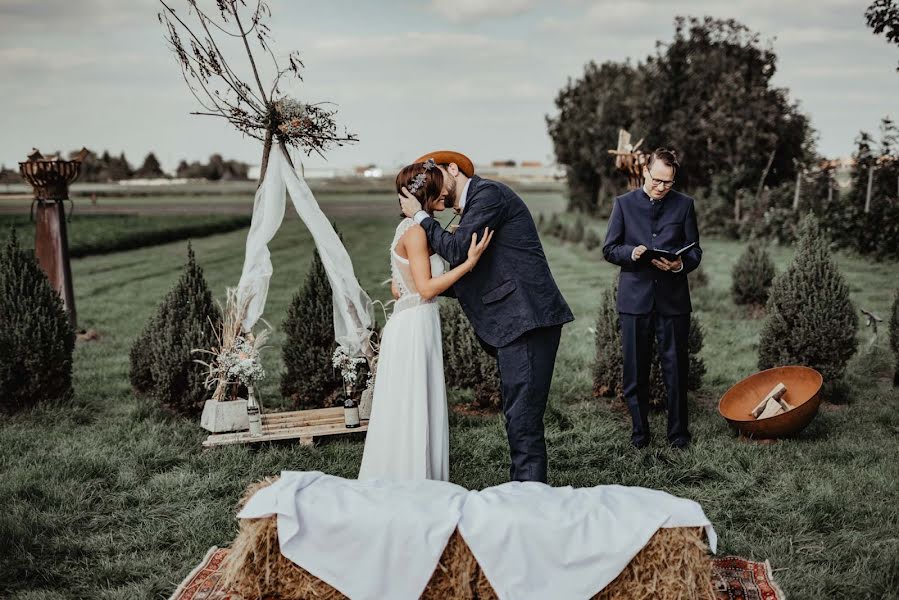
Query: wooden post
829	189
51	248
870	184
796	193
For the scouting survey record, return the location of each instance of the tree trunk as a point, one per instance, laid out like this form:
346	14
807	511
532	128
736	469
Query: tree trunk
758	191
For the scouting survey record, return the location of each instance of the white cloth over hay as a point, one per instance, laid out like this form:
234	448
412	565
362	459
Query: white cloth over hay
383	539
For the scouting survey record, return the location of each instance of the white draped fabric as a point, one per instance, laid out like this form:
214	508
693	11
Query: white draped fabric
372	540
383	539
353	313
534	541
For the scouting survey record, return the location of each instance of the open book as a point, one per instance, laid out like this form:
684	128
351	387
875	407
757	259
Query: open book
670	255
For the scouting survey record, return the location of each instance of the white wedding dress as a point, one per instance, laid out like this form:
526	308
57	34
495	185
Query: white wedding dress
408	433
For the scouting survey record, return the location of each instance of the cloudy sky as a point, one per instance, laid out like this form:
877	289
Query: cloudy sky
408	76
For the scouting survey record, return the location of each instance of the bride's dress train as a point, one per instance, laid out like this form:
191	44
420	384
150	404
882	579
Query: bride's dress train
408	433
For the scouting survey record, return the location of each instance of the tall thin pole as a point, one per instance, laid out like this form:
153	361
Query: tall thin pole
870	185
796	193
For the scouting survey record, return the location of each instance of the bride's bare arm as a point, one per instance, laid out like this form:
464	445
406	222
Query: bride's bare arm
415	243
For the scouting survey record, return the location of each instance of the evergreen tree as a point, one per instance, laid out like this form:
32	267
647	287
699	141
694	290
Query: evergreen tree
697	279
608	366
894	335
695	340
36	338
151	169
592	239
140	359
466	364
576	232
187	319
752	276
811	320
309	377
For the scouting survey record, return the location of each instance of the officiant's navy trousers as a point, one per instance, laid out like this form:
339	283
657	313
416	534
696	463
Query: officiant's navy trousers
671	333
526	371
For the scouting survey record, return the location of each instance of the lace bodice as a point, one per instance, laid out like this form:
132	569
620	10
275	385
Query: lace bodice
399	266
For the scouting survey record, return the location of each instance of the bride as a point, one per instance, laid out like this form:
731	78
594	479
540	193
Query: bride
408	433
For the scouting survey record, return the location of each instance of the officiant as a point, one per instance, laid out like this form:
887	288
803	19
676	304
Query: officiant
653	293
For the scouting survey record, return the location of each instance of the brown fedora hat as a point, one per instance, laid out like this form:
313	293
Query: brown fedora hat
445	157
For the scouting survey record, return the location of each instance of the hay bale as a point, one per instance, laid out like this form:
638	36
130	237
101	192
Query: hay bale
674	565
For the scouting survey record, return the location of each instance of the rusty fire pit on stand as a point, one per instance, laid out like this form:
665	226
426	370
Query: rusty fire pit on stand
50	179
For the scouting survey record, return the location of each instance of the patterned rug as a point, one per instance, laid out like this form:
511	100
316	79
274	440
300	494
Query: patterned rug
735	579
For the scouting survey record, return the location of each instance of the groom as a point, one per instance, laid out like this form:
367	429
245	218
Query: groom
510	298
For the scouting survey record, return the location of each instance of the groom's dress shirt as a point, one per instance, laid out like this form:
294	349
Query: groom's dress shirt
422	215
670	224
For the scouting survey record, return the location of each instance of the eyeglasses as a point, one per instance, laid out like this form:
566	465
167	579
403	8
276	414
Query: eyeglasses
666	183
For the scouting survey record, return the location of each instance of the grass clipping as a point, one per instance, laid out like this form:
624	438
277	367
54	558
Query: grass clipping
674	565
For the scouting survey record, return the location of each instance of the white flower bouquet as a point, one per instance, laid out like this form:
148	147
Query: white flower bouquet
235	361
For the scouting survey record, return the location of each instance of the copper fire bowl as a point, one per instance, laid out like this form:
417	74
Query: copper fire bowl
803	393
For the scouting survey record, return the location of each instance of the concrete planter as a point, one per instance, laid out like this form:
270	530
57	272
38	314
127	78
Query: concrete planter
222	417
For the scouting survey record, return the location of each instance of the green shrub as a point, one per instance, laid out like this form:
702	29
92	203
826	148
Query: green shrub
592	240
36	338
140	357
697	278
752	276
309	378
466	364
91	235
555	227
811	320
187	319
575	232
695	342
608	366
894	335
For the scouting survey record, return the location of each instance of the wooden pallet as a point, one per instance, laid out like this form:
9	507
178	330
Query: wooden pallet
305	425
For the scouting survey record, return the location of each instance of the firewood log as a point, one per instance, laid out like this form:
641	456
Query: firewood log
776	393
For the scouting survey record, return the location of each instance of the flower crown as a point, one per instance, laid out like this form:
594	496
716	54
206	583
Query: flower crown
419	180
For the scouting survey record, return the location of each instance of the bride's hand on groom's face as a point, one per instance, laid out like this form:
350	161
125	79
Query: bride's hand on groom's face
409	203
476	249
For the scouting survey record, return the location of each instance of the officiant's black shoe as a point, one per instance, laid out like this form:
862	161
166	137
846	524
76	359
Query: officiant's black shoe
639	443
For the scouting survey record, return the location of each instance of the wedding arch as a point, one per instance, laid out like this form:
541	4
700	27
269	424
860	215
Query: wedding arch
197	40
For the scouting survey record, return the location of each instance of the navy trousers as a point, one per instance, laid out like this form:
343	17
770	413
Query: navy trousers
526	370
671	334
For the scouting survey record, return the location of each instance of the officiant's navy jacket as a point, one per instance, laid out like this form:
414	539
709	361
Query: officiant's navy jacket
666	224
511	290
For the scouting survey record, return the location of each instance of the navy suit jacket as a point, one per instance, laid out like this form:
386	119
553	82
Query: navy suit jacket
511	290
669	224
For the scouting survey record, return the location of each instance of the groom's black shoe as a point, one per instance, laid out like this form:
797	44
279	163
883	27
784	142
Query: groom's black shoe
640	443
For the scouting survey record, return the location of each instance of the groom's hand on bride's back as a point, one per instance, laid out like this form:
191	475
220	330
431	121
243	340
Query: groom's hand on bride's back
409	203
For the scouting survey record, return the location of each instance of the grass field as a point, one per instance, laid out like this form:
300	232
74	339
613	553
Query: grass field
109	497
103	233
